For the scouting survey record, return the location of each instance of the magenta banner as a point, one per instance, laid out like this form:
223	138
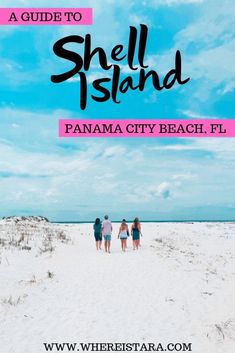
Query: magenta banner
147	128
45	16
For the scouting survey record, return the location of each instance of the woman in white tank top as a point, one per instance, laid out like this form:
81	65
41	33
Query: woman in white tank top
123	234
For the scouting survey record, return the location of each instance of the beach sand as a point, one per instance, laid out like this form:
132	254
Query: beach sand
179	287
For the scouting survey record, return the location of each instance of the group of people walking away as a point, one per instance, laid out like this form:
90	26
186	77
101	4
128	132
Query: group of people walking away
103	230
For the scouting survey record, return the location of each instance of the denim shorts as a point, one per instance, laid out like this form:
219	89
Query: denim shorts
107	237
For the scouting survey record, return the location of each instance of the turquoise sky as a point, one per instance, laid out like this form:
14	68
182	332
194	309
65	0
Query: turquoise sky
79	179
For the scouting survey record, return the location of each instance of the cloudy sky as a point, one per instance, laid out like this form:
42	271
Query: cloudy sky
157	179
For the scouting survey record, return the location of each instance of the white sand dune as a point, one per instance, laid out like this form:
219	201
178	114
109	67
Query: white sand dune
179	287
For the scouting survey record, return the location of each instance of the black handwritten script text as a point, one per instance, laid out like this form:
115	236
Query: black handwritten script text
114	83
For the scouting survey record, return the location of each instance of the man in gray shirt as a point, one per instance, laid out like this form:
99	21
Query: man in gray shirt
106	232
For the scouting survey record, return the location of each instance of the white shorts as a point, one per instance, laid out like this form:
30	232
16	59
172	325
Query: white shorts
123	235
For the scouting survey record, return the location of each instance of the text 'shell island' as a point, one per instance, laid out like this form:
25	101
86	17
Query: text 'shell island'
113	79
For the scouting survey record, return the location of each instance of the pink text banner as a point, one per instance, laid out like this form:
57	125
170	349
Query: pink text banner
147	128
45	16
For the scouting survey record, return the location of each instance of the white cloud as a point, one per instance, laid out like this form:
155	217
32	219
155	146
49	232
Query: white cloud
116	174
114	151
182	177
212	37
121	171
215	64
164	190
153	192
229	87
221	148
213	22
207	46
193	115
19	163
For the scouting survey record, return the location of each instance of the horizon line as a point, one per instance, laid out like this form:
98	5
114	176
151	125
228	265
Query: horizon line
153	221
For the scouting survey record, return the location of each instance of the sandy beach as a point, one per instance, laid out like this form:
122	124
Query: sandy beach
179	287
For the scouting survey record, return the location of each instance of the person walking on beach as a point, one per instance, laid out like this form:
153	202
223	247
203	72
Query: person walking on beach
136	232
123	234
97	233
106	232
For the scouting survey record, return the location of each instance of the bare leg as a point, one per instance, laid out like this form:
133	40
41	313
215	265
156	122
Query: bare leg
122	245
108	246
100	243
97	245
137	244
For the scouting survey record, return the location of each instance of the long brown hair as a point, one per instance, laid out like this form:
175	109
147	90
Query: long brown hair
136	222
